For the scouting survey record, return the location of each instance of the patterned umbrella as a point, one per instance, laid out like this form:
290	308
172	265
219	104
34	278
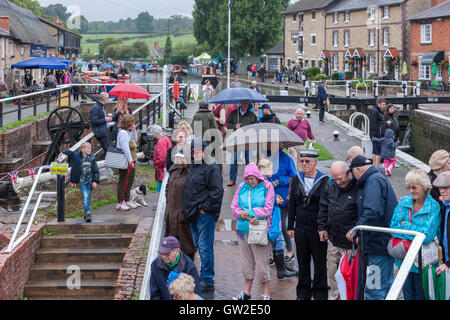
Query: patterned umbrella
262	136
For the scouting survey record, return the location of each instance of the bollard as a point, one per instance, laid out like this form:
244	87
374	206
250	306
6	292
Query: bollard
348	85
405	89
375	89
418	88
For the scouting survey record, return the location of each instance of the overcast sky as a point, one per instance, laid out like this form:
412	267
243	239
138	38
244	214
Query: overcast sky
114	10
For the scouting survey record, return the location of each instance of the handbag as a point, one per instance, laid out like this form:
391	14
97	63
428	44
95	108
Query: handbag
116	158
397	248
430	254
257	233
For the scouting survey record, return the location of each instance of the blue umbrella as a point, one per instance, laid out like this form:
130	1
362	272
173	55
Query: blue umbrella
236	95
60	60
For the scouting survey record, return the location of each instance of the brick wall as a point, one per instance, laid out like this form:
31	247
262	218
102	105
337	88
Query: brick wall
15	266
132	270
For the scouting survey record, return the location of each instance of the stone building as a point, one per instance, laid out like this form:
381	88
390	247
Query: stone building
23	37
304	33
430	42
69	42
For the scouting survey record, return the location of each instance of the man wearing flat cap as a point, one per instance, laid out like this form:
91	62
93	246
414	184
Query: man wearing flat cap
304	199
443	183
170	258
439	162
376	203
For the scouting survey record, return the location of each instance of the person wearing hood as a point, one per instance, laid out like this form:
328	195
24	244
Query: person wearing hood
338	215
304	198
388	147
252	203
376	204
268	116
205	120
443	183
202	203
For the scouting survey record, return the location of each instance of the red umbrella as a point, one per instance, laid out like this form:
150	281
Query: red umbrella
129	90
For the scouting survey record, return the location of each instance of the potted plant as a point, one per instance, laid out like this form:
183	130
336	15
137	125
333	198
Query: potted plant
414	63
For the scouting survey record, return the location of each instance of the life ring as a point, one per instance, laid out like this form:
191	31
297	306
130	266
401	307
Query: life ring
176	90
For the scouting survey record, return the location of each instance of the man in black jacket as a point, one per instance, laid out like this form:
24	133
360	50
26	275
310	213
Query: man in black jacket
304	198
237	119
100	121
268	115
338	215
201	208
377	128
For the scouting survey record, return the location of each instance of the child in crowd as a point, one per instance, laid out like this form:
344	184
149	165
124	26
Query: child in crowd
84	170
388	147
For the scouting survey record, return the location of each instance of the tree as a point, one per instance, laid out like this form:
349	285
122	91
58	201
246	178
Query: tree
32	5
141	49
108	42
144	22
56	10
256	25
168	49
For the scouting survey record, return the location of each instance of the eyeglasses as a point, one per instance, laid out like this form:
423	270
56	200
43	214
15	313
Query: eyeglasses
305	161
413	188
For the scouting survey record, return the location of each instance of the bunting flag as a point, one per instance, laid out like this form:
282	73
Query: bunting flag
13	176
32	172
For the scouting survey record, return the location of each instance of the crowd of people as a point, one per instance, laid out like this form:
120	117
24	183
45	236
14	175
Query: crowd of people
284	199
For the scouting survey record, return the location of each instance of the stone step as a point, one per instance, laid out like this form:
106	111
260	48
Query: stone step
71	255
90	228
87	241
88	271
59	288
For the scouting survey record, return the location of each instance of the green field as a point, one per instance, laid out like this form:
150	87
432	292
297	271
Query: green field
150	40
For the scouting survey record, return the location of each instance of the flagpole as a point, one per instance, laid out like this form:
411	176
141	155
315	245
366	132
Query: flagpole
229	42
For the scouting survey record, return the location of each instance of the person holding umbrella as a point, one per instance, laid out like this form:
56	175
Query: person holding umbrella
237	119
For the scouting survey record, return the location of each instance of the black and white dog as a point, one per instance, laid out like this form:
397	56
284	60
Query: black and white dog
137	195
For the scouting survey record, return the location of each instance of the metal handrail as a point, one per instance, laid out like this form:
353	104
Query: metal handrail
366	122
155	241
59	88
13	243
413	250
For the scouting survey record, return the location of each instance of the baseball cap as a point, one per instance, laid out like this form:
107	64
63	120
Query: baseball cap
360	161
265	106
168	244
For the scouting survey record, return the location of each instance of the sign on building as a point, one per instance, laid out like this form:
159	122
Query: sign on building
38	51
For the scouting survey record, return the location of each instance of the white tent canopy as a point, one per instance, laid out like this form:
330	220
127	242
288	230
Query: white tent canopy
204	57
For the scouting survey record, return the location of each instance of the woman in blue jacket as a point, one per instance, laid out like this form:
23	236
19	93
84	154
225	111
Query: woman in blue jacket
416	212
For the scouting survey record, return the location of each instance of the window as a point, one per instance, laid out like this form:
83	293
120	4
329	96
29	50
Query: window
372	37
346	38
335	38
11	49
306	64
313	39
424	71
372	64
347	16
313	63
289	62
335	63
385	37
313	13
372	13
336	17
425	33
386	12
294	17
385	67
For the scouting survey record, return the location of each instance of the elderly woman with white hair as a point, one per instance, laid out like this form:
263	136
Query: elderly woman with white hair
160	155
416	212
182	287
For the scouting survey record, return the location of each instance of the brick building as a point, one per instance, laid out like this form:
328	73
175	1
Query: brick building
430	42
369	38
304	33
22	37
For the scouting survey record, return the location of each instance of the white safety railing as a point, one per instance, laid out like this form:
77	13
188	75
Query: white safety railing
413	250
366	126
155	241
13	242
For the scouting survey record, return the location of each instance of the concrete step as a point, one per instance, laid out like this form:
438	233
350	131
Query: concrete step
88	271
87	241
59	288
73	255
90	228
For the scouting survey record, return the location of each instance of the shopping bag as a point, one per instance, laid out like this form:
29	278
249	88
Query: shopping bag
435	287
347	277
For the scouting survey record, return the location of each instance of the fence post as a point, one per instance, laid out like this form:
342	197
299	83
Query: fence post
307	95
48	101
164	97
69	91
147	111
154	112
59	98
60	190
34	106
19	109
1	114
140	119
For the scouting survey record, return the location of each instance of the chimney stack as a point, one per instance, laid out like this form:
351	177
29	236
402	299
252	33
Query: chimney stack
4	22
156	45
